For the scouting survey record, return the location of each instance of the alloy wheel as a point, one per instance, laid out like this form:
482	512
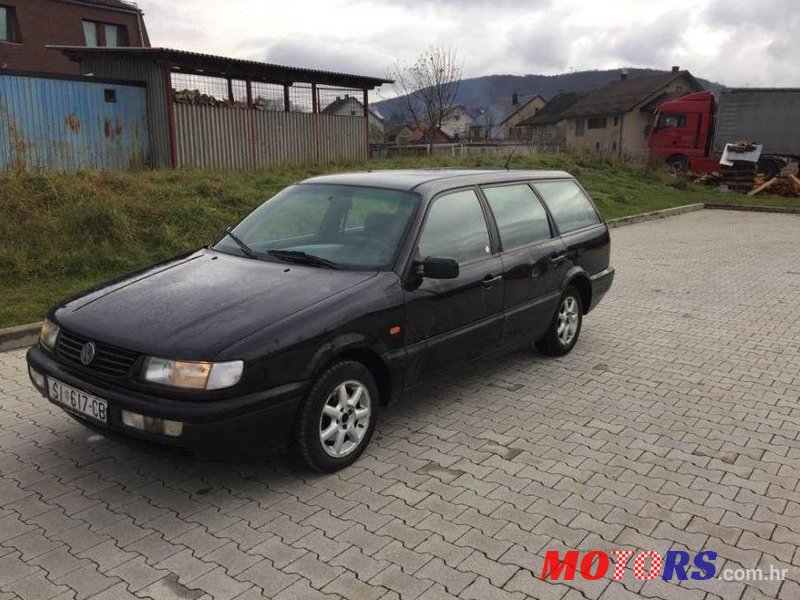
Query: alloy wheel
568	320
345	418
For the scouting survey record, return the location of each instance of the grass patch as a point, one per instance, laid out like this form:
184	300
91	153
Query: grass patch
60	233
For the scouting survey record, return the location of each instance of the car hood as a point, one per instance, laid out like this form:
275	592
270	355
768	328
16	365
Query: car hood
195	306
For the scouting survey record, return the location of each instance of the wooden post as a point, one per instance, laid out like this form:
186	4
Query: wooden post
287	105
170	107
315	117
230	89
251	121
314	99
366	122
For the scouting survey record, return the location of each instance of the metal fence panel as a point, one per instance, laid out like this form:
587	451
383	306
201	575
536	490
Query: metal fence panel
66	125
234	138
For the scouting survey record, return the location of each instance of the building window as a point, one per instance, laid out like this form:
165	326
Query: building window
597	123
9	26
579	127
90	34
104	34
115	36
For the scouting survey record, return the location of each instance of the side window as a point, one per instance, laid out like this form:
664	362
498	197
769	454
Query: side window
674	120
520	216
570	207
456	228
579	127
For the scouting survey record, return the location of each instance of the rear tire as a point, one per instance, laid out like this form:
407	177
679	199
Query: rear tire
564	329
338	416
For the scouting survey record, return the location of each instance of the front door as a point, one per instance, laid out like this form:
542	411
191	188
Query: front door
452	321
533	260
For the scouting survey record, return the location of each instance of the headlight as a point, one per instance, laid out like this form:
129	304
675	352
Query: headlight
48	335
193	375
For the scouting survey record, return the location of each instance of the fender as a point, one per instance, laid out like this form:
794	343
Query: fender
573	272
340	344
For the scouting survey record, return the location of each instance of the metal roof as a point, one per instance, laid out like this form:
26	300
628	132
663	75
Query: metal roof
208	64
410	179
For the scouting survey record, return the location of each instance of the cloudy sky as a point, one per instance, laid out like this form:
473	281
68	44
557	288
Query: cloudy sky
736	42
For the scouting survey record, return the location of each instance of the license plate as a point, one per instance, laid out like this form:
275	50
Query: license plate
77	401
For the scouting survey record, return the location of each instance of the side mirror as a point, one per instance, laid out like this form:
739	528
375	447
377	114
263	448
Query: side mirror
438	267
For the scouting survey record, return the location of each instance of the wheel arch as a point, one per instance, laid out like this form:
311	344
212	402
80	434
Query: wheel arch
356	348
581	281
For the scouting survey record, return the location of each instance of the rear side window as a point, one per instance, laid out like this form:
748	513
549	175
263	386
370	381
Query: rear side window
455	228
570	207
520	216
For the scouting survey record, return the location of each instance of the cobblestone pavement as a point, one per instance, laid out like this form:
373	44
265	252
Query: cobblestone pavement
674	424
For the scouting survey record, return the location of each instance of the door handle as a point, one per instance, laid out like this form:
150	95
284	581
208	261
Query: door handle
557	260
490	280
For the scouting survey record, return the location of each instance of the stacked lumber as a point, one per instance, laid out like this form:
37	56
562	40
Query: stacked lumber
787	186
742	177
199	99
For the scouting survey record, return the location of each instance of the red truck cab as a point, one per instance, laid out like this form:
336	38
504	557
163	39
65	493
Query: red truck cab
683	131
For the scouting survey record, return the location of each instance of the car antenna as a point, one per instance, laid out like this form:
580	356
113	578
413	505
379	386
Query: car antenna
510	156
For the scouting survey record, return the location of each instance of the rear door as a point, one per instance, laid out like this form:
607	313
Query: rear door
452	321
583	232
533	260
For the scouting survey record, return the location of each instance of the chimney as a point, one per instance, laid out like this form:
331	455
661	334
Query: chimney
676	69
514	99
624	75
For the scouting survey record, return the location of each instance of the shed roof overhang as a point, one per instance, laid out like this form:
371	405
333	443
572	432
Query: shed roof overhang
222	66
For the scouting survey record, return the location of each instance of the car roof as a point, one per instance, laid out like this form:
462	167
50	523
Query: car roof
431	180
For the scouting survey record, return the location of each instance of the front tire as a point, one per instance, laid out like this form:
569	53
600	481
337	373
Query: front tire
338	416
678	164
564	329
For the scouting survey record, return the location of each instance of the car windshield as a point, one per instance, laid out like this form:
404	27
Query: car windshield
348	227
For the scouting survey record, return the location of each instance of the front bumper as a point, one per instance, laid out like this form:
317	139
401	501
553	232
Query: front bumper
601	283
261	421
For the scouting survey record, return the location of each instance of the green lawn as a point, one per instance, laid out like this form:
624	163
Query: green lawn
60	233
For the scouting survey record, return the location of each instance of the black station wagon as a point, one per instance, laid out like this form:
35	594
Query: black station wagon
328	301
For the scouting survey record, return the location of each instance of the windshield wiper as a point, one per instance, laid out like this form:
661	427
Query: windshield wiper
245	248
303	258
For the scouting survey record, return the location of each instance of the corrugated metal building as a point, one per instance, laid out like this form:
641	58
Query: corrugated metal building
259	115
67	123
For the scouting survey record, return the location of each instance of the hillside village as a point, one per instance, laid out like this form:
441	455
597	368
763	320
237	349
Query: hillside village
614	118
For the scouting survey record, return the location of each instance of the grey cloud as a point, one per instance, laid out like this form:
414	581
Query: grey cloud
542	45
651	44
325	54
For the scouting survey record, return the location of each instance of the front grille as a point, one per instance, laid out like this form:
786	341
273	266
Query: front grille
109	361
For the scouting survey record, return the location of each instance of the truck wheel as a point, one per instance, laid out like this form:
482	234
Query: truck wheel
338	416
562	335
678	164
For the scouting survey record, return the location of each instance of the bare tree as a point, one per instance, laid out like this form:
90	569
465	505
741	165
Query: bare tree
428	88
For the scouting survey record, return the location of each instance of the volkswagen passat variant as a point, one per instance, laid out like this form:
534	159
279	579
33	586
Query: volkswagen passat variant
327	302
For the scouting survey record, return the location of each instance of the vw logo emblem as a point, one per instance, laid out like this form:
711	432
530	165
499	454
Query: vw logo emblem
87	353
